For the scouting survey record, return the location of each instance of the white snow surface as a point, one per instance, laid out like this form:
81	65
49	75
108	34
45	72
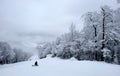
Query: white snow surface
58	67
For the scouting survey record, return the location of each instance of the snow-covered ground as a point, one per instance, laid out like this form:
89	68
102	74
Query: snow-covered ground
57	67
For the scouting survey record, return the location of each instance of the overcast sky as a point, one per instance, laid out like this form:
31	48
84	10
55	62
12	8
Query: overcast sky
25	22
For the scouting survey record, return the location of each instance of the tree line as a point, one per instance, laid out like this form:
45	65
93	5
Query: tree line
11	55
99	40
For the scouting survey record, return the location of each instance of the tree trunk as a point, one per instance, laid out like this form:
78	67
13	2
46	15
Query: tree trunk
103	30
95	29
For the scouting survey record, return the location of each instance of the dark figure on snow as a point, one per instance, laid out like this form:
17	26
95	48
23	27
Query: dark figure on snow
36	63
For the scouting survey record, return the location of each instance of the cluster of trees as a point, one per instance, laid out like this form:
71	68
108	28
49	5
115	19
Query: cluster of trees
44	49
99	39
9	55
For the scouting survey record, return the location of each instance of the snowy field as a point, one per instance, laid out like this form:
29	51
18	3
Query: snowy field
57	67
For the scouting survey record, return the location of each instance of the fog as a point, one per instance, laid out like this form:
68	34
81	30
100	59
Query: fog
25	23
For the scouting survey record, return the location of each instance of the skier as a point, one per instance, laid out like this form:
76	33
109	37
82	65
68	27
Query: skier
36	64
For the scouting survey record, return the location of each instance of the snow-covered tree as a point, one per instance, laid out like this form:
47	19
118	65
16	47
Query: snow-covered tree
117	54
73	32
107	55
106	23
9	55
102	29
6	53
44	50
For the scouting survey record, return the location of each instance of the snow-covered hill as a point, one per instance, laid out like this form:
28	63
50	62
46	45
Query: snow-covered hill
57	67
